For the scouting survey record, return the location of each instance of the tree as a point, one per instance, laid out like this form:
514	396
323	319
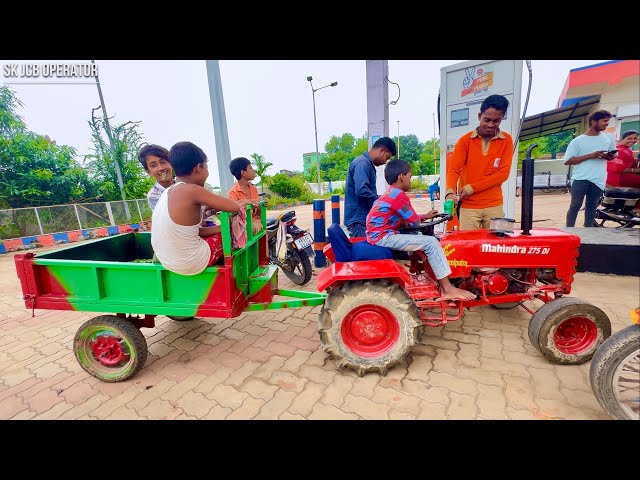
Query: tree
127	141
426	164
340	152
410	148
34	170
261	169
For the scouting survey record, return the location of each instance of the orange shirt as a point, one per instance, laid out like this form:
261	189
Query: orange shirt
480	168
236	193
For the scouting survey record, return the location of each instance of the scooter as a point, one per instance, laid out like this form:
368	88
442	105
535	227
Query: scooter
296	263
616	207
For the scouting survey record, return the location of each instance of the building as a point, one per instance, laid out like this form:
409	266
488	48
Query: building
309	162
613	86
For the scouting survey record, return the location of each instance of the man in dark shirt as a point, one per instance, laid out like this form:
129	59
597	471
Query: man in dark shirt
360	189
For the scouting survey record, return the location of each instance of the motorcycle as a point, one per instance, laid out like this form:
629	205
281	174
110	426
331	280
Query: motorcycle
615	372
616	207
295	262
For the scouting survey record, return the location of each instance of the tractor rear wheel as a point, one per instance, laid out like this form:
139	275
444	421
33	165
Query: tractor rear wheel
568	330
368	326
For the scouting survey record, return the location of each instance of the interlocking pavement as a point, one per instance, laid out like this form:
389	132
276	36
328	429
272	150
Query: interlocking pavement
269	365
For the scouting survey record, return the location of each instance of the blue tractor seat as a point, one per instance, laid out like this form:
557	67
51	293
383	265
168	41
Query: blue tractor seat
345	251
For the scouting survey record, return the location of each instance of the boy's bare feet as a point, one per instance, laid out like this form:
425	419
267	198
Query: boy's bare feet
452	293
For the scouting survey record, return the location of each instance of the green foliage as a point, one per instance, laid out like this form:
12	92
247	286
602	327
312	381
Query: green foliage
410	148
290	187
127	141
417	184
261	167
10	121
548	144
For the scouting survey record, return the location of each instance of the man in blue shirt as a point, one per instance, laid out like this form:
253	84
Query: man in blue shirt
588	156
360	189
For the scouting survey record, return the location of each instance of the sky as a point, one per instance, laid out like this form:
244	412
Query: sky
268	104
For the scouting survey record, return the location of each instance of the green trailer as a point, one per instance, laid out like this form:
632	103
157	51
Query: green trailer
115	274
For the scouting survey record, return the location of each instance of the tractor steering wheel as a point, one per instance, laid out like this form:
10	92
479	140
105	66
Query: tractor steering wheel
427	226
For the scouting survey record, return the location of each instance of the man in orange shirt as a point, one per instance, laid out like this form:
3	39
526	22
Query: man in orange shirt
480	162
244	191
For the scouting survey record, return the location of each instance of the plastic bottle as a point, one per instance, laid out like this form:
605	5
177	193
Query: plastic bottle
448	207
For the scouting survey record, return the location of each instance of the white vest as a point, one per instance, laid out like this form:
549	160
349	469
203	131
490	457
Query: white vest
178	247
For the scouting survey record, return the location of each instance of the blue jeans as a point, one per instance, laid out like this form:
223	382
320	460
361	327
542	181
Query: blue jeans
357	229
429	245
580	189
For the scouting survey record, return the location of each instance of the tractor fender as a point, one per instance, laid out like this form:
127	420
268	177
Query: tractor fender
338	273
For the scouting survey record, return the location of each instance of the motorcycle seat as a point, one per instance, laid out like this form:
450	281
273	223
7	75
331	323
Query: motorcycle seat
285	217
345	251
622	192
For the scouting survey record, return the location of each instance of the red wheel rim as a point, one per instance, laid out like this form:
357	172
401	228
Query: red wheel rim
108	350
575	335
370	330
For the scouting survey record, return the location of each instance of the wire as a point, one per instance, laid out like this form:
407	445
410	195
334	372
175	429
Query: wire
515	146
396	100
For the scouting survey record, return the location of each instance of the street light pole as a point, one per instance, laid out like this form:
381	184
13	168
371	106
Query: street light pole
315	125
113	151
398	139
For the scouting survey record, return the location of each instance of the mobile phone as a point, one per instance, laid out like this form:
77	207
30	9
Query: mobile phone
612	152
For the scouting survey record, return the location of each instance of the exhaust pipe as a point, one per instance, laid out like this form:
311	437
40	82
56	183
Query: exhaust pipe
526	215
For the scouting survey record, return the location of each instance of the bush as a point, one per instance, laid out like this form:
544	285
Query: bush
417	184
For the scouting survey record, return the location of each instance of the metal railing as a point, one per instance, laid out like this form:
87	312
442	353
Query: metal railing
33	221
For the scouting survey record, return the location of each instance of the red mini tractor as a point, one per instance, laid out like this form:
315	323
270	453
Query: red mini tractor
375	308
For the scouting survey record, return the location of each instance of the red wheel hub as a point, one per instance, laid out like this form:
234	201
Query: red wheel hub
575	335
370	330
108	350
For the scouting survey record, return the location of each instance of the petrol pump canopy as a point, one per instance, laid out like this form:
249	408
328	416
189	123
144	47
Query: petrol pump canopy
558	120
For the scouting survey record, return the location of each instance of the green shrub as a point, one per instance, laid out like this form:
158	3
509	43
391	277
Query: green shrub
417	184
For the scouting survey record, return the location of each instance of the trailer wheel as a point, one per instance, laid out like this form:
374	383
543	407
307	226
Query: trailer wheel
368	326
111	349
614	374
568	330
180	319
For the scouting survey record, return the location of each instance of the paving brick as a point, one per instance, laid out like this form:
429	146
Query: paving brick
424	350
259	389
462	337
329	412
124	413
580	399
514	414
175	392
272	409
149	394
462	407
537	361
256	354
239	376
18	377
247	411
255	330
232	334
288	334
55	412
303	343
445	362
398	415
159	409
432	411
503	367
231	360
288	381
304	402
281	349
23	415
557	410
455	384
574	377
481	375
427	393
78	393
43	400
218	412
184	344
195	404
365	408
491	402
11	406
317	374
215	378
397	400
84	408
545	384
286	415
265	370
440	343
518	392
241	345
227	396
293	363
394	377
107	407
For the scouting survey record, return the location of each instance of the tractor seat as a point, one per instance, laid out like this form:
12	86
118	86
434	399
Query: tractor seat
622	192
345	251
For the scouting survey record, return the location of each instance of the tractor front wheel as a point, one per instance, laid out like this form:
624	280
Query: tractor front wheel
368	326
568	330
110	348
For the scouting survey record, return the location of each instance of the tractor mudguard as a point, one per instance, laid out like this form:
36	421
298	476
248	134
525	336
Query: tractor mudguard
338	273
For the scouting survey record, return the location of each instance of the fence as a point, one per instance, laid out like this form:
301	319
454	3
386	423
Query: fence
24	222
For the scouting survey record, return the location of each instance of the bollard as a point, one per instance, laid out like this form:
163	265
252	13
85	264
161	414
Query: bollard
319	232
335	209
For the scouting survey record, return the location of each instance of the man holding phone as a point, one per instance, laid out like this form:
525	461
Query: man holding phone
588	155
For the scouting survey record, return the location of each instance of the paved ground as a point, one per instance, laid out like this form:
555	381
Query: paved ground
270	365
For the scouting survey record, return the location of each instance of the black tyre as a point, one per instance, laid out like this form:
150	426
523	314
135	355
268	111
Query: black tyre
615	374
180	319
368	326
505	306
110	348
568	330
297	267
